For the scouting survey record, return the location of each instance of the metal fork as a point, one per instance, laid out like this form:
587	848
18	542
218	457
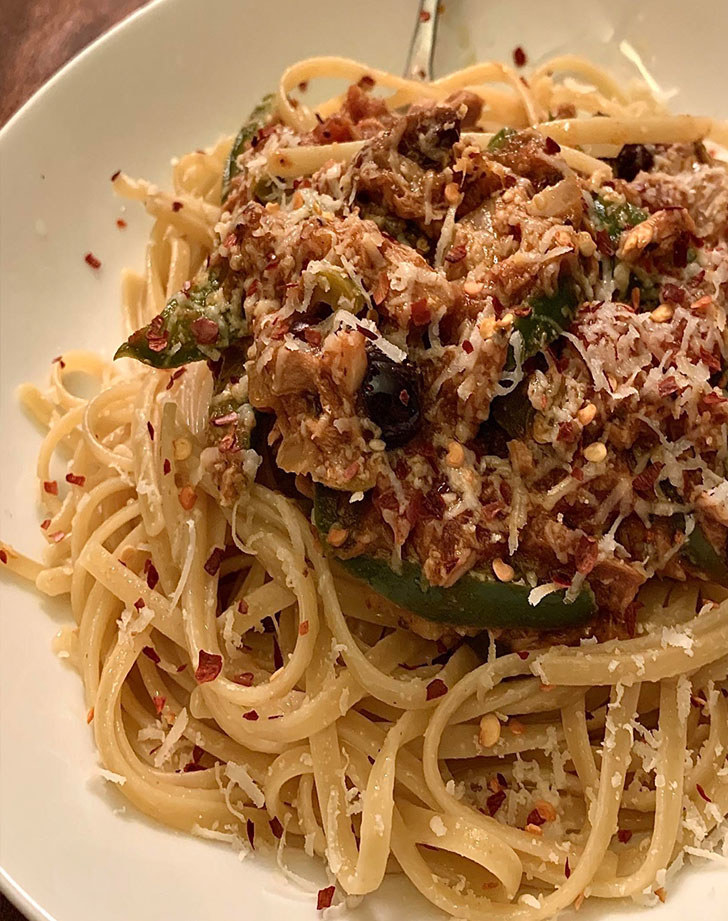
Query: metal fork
419	60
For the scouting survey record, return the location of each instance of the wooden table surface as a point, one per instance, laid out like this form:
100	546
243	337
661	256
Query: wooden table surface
38	37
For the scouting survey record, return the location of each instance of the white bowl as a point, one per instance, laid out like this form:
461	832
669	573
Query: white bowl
174	77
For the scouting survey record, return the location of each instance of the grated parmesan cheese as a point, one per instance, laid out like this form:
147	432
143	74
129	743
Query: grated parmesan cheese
238	773
166	749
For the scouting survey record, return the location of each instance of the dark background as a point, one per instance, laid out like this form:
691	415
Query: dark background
37	37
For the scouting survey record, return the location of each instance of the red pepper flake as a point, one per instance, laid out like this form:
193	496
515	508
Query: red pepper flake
251	715
151	573
367	333
157	335
713	399
192	766
522	312
424	16
75	480
711	359
139	604
245	679
578	474
173	377
159	703
58	360
624	835
228	444
644	483
226	419
587	553
404	397
45	524
250	830
667	386
467	346
604	243
567	432
209	667
312	336
702	793
456	253
366	82
3	557
177	206
303	628
90	715
420	312
150	429
673	294
381	289
551	146
351	471
120	223
213	562
276	827
57	536
166	466
436	688
204	330
116	175
51	487
326	896
519	57
495	801
181	668
535	818
92	261
151	653
562	579
523	654
253	287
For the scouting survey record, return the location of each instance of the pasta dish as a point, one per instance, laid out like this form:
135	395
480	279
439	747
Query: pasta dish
397	532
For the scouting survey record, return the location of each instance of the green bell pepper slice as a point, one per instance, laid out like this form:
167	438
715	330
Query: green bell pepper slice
475	600
334	286
194	326
549	316
699	551
500	138
614	217
255	121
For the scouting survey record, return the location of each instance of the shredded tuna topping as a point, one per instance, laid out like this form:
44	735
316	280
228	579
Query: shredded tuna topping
490	364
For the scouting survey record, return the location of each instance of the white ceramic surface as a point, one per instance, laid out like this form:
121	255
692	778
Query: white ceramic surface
172	78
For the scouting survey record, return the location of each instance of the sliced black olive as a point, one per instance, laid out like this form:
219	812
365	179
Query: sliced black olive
632	159
391	398
492	438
